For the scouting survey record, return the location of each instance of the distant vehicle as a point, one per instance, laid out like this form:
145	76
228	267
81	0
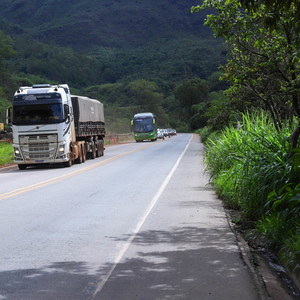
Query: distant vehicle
164	132
173	132
144	127
168	132
52	126
160	133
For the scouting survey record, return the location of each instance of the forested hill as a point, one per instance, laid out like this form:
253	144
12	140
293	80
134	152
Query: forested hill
130	54
83	24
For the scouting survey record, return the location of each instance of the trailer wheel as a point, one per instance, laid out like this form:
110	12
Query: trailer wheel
102	147
99	148
93	153
83	150
22	167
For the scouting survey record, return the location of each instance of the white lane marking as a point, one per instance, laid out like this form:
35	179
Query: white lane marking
140	223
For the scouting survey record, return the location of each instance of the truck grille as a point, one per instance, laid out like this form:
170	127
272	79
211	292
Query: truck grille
36	147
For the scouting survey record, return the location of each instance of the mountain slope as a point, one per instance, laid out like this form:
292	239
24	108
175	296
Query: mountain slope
100	48
87	23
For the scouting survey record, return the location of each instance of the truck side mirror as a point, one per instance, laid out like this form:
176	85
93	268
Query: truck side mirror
67	113
8	120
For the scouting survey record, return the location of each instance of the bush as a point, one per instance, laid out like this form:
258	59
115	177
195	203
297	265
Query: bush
249	162
6	153
206	133
252	169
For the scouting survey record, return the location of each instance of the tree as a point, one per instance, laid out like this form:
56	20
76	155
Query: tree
263	41
6	49
148	99
7	83
219	114
198	119
189	93
274	7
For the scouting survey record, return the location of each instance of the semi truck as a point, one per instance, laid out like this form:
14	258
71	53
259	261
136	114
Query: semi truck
51	126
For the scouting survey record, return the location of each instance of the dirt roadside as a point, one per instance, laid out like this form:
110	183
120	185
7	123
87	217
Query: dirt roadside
272	279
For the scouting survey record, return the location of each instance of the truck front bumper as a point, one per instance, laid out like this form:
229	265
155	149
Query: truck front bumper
40	153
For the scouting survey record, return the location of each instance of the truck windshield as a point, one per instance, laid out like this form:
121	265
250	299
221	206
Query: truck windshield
142	125
38	114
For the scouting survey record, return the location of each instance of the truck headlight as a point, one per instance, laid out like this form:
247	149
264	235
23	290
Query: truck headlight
17	154
61	149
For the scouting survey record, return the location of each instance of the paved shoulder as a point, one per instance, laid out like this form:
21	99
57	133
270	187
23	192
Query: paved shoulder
185	249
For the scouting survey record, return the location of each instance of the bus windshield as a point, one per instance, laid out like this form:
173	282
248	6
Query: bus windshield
143	125
38	114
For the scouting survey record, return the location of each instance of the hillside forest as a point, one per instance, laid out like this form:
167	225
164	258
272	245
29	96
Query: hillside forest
133	56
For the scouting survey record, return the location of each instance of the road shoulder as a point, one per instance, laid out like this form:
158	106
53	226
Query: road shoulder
185	249
272	279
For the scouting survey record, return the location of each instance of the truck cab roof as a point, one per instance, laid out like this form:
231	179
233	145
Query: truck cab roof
42	88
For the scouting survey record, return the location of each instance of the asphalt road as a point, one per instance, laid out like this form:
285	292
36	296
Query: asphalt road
142	223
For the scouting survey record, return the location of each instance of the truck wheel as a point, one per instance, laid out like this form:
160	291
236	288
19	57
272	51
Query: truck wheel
98	153
22	167
102	147
79	159
68	163
83	153
99	148
93	153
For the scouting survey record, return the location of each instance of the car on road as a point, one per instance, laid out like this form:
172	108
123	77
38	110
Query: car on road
160	133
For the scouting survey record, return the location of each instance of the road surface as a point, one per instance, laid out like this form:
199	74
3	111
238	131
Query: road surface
142	223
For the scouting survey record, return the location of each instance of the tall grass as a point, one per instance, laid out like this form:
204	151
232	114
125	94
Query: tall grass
6	153
252	170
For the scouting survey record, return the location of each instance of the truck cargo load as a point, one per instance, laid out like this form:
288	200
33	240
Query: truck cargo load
88	116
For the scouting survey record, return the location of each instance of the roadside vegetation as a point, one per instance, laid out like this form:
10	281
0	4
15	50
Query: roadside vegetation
252	171
252	135
6	153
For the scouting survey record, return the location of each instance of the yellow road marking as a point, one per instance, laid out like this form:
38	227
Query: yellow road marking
60	178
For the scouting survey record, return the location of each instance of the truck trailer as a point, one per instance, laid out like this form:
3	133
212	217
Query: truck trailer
51	126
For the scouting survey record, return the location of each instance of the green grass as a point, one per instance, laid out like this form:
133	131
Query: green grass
252	171
6	153
206	133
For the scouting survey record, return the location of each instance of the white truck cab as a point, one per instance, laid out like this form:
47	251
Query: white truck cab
43	125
